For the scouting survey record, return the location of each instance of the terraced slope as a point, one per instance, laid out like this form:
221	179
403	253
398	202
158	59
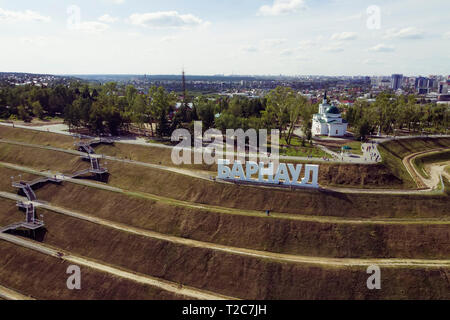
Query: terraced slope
385	175
178	236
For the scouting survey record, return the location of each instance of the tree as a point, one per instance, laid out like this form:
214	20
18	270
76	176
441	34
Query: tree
159	104
206	113
23	114
38	111
283	111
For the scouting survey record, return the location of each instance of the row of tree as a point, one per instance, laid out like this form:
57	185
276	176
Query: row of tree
390	113
111	108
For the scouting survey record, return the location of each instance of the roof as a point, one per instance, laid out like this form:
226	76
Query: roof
332	110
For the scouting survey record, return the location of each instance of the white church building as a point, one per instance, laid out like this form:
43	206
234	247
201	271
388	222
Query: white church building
328	122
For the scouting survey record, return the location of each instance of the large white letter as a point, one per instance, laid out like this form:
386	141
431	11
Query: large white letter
295	173
314	169
74	281
282	174
214	151
263	171
223	171
251	169
198	142
184	146
374	281
238	171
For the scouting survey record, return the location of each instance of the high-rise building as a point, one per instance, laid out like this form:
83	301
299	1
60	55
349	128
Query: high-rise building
423	85
396	82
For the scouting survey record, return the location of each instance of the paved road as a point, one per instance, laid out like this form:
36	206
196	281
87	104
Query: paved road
81	261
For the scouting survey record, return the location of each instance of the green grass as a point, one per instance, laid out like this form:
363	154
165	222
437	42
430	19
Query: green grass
355	145
297	149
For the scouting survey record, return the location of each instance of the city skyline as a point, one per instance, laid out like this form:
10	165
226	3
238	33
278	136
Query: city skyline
273	37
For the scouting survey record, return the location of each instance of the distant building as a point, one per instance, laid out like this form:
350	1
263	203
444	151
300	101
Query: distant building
423	85
328	122
443	87
396	82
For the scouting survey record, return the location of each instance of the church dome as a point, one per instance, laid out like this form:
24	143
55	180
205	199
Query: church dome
332	110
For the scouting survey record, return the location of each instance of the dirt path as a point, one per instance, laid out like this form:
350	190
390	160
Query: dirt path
234	250
9	294
81	261
204	175
435	170
225	210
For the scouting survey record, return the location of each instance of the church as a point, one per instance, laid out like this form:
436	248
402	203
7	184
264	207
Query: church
328	122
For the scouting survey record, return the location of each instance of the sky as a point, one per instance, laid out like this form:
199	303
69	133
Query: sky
207	37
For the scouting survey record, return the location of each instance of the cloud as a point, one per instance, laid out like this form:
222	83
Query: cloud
333	47
354	17
372	62
116	1
344	36
166	19
273	42
107	19
447	35
382	48
249	49
22	16
287	52
34	41
169	39
405	33
91	27
280	7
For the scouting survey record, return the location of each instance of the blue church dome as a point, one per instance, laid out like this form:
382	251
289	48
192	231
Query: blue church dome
332	110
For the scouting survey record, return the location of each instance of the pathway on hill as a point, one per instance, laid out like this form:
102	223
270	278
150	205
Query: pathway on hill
63	130
239	251
9	294
205	175
435	173
226	210
140	278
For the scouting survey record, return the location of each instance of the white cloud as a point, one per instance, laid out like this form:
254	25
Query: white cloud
280	7
354	17
447	35
107	19
168	39
405	33
249	49
344	36
116	1
34	41
333	47
273	42
287	52
372	62
166	19
382	48
22	16
91	27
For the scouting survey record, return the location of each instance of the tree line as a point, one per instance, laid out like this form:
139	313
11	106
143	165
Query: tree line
390	114
112	108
